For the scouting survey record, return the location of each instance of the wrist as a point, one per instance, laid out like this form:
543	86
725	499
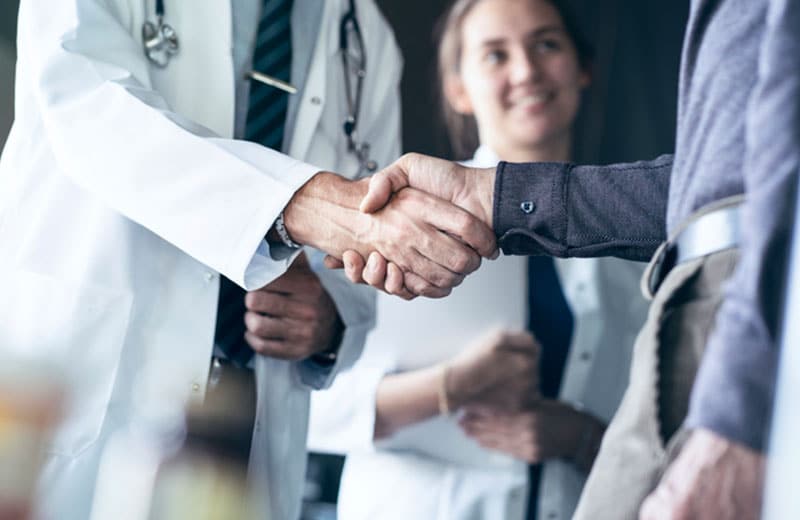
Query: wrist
324	211
442	394
454	385
482	193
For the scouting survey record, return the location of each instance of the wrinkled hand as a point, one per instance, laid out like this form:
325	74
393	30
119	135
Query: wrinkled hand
434	243
293	317
499	372
711	478
468	188
550	429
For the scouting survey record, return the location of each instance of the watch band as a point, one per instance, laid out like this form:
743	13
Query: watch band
280	227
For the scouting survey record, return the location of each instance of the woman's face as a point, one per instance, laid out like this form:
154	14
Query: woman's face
519	73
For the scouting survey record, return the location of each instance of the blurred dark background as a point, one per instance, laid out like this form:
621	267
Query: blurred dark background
629	111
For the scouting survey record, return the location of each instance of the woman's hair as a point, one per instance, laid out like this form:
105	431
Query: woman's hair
462	129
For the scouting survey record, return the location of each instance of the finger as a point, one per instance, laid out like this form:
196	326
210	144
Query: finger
464	226
266	327
395	282
354	265
282	307
267	302
419	286
382	186
457	259
271	347
331	262
375	271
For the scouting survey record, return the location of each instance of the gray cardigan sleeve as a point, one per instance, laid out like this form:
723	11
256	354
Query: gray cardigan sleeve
566	210
733	391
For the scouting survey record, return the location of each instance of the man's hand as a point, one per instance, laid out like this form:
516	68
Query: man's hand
499	372
711	478
434	243
550	429
469	188
293	317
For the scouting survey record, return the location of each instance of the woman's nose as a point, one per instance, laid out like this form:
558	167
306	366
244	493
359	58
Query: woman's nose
525	68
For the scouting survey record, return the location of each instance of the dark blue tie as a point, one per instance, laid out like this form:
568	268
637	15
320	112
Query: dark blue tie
266	118
550	320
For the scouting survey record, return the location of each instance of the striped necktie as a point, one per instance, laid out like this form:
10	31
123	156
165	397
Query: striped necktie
266	118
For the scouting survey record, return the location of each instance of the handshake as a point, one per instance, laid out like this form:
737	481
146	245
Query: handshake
416	228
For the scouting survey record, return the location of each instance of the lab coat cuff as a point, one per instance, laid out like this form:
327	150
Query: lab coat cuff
262	265
338	422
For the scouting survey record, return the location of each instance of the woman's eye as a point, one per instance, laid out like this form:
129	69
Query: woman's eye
547	46
495	57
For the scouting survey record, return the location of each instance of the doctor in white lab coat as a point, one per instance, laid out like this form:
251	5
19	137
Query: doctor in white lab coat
123	195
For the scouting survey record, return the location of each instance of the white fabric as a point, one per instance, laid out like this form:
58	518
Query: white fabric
396	479
123	195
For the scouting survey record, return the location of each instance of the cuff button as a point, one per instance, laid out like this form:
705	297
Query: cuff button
527	207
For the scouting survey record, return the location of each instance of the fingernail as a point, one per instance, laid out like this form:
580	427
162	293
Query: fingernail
372	264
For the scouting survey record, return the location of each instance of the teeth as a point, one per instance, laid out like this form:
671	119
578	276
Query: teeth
533	99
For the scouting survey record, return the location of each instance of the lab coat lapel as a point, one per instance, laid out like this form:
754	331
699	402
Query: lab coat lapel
315	93
203	84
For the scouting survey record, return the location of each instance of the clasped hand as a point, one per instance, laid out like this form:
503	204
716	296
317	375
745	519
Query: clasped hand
417	221
456	198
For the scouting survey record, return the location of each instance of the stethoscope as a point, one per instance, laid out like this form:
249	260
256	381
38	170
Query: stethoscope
159	39
161	43
354	62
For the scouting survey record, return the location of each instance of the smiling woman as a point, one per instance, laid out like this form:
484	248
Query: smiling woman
497	52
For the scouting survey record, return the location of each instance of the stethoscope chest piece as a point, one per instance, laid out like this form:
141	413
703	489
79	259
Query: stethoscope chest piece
160	42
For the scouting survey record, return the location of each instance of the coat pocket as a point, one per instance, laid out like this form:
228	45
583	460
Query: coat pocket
79	328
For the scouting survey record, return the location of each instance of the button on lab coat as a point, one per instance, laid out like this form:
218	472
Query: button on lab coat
123	195
432	470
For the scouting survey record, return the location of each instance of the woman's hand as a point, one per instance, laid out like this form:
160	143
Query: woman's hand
551	429
499	372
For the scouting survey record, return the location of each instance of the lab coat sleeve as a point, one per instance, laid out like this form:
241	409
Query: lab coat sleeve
356	307
342	417
382	129
117	138
733	393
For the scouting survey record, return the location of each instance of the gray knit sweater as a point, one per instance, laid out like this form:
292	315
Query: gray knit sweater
738	132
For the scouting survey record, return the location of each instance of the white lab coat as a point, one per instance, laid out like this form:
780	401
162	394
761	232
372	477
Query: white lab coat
431	470
123	195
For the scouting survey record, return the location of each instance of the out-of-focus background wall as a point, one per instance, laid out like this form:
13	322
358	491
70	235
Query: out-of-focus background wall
8	18
629	112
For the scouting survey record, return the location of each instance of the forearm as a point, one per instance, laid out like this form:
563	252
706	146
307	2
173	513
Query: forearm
407	398
565	210
324	213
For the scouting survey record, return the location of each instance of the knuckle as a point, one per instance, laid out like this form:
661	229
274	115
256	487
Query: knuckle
462	262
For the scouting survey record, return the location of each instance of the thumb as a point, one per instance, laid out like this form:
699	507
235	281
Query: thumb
382	186
331	262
